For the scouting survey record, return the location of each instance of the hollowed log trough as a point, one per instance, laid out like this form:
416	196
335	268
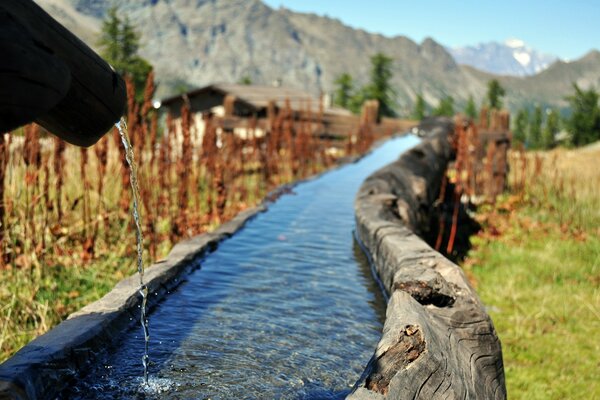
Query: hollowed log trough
438	341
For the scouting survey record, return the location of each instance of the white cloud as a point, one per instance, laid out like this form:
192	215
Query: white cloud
514	43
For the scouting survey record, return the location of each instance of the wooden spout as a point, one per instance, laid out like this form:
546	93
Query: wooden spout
50	77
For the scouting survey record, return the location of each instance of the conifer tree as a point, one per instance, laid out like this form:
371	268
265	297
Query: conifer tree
380	86
520	128
420	108
344	86
535	129
445	108
245	80
120	44
495	94
550	129
471	108
584	122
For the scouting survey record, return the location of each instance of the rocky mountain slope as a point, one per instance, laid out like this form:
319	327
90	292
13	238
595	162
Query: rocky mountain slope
86	27
197	42
512	57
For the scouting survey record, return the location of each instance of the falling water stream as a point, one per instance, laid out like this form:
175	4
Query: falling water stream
284	309
122	127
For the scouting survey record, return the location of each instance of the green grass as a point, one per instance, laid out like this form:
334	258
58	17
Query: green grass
539	276
544	299
37	298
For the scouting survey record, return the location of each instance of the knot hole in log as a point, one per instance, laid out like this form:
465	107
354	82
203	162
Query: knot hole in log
408	348
425	285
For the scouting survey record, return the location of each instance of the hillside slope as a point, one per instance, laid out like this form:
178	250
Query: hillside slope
194	43
549	87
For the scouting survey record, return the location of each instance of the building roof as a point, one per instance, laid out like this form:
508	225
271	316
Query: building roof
257	96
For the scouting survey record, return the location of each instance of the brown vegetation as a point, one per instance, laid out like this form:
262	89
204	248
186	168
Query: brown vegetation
479	173
65	218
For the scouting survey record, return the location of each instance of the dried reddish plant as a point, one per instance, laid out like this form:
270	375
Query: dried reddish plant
148	94
183	166
469	143
350	148
32	155
241	185
523	168
442	225
209	145
459	186
493	118
501	169
220	191
88	244
4	157
47	201
31	146
483	118
208	160
489	171
229	166
125	196
164	169
32	160
58	163
272	150
101	151
149	220
153	138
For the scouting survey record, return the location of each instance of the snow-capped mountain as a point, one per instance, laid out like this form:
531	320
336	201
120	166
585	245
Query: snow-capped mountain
512	57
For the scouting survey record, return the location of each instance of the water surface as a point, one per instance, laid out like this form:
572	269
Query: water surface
285	309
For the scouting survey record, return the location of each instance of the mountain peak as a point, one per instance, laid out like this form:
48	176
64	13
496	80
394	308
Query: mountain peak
592	55
513	57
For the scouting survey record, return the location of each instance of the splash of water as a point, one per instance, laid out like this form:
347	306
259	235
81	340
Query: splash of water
143	290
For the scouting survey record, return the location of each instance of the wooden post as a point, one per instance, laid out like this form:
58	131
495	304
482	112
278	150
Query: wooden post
229	105
483	118
51	77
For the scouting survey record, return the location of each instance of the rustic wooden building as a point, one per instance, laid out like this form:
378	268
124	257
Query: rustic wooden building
247	100
235	104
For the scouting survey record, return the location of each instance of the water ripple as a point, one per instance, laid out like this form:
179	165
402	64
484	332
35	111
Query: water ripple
285	309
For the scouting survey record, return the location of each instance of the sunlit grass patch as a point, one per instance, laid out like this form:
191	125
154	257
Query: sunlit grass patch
537	268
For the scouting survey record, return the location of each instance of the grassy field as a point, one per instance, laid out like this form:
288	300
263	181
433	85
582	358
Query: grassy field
536	266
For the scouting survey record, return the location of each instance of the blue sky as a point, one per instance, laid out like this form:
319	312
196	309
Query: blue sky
567	28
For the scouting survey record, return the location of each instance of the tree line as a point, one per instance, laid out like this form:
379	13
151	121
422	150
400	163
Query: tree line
446	106
538	128
535	128
350	97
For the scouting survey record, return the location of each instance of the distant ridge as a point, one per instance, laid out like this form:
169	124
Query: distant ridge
549	87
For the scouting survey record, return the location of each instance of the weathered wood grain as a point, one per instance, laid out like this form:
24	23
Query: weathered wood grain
49	76
438	342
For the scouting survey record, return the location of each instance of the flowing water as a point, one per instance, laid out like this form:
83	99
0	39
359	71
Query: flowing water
285	309
135	189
